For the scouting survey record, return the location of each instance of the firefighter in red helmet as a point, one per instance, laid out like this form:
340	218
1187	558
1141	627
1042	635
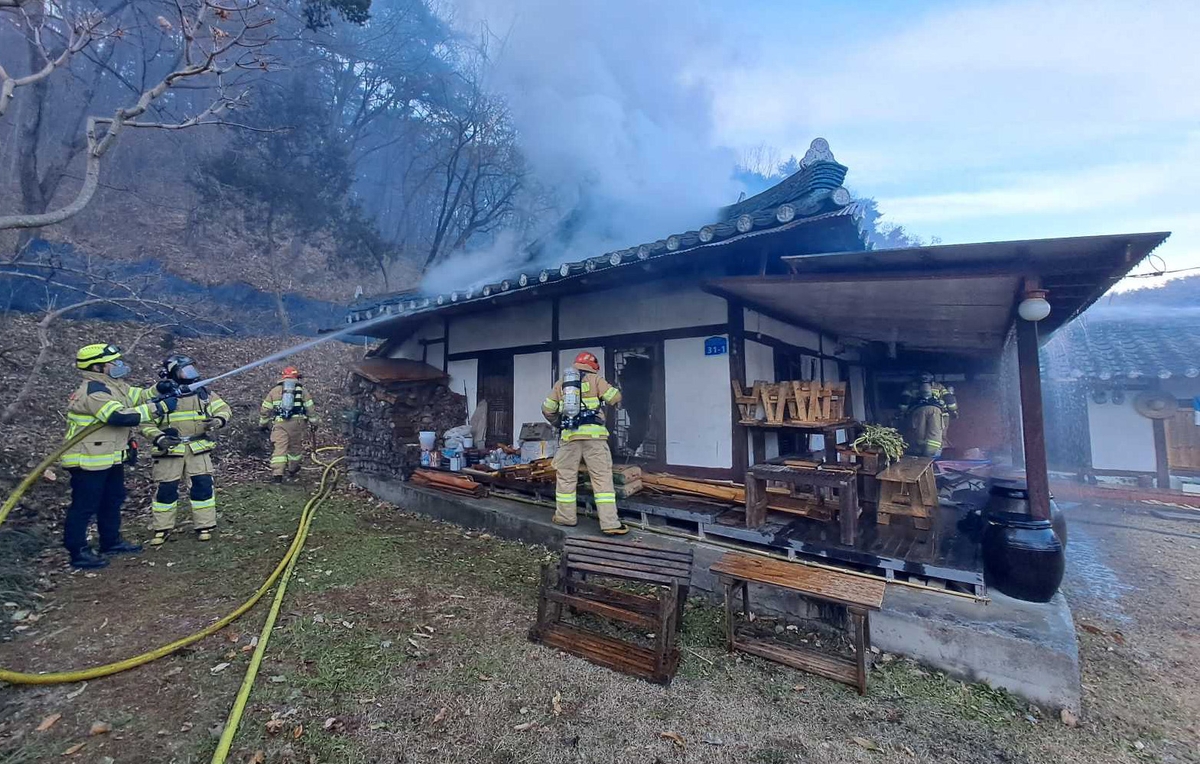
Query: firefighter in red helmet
576	407
285	411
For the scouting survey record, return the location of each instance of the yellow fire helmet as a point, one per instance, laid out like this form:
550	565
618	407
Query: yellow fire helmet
99	352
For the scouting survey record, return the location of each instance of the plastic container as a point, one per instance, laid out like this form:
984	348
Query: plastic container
427	438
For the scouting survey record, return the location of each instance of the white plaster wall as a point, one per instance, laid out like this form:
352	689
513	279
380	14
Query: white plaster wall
760	365
698	431
465	373
832	373
756	323
1122	439
645	307
436	355
567	357
411	348
858	393
531	382
524	324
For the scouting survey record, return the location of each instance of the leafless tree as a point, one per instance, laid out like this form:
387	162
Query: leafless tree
215	41
88	288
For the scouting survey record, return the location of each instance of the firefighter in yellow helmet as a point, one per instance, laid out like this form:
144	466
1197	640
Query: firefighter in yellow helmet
183	449
576	407
285	411
928	406
96	463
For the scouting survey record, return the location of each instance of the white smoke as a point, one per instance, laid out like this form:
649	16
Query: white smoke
612	115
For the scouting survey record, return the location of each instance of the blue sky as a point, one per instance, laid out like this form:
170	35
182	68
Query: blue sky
980	120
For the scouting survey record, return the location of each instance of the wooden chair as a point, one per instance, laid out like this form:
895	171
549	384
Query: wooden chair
566	586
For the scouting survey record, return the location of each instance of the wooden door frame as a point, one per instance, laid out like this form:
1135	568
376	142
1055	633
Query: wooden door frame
492	356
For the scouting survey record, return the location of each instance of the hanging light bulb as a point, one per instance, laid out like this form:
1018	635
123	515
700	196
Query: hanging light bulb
1035	306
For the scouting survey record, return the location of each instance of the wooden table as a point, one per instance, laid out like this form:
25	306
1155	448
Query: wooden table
908	488
842	478
858	594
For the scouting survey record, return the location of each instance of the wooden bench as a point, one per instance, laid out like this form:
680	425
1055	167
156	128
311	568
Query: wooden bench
858	594
567	586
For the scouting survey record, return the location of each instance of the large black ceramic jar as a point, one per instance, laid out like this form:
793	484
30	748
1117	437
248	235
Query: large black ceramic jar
1022	557
1011	496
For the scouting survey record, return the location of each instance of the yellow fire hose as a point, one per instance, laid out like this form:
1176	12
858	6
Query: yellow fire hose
62	677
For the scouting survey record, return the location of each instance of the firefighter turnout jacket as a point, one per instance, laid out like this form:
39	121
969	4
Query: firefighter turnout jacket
192	421
940	396
302	409
120	406
594	392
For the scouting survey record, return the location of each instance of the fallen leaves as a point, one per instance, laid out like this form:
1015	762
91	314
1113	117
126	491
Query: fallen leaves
259	757
297	732
76	693
217	669
440	716
335	725
74	749
556	704
1068	718
525	727
674	737
274	725
99	728
48	722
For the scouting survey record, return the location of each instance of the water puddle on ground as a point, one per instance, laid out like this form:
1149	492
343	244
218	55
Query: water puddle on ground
1093	583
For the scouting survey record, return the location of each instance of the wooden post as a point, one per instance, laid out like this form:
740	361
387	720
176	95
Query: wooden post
1033	426
1161	462
737	371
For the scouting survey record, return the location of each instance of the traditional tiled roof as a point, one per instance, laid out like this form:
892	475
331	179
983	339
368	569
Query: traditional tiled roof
811	194
1125	347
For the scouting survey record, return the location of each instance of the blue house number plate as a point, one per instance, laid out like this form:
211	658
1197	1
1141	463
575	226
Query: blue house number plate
716	346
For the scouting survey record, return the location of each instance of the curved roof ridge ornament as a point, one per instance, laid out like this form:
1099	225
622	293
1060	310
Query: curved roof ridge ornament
818	151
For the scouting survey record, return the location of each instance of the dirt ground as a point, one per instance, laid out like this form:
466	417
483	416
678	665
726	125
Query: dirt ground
404	640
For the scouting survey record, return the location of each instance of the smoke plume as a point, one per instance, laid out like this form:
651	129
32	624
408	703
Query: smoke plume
613	118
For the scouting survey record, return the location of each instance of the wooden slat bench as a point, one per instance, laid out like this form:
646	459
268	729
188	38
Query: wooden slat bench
859	595
567	586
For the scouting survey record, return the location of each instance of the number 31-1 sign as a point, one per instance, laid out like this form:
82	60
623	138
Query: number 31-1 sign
716	346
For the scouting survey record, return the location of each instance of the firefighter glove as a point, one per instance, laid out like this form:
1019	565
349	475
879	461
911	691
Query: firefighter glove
169	438
165	387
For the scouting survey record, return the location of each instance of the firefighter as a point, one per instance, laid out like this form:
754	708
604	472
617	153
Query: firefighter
576	407
97	463
285	411
183	450
928	406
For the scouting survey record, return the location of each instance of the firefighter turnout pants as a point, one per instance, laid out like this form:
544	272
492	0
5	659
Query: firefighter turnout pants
928	426
287	445
99	494
595	454
169	471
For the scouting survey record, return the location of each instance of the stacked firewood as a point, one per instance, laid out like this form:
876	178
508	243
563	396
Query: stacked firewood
388	418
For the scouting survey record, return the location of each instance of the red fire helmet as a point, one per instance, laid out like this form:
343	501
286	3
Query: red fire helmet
291	372
585	361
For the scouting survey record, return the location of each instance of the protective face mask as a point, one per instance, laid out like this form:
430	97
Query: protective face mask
119	369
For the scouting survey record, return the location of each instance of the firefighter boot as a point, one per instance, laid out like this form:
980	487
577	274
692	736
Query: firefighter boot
159	538
121	547
204	534
86	559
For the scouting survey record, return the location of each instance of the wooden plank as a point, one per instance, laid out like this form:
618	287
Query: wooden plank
630	575
907	470
829	666
636	602
603	609
621	561
829	585
633	546
616	557
605	651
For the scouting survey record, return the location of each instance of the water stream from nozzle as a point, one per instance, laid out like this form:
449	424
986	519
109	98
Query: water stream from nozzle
293	350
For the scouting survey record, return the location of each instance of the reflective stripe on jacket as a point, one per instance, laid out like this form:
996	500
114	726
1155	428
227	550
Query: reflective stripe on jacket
193	418
594	390
302	406
100	398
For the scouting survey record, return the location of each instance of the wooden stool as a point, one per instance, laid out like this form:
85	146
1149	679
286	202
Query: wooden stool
908	488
